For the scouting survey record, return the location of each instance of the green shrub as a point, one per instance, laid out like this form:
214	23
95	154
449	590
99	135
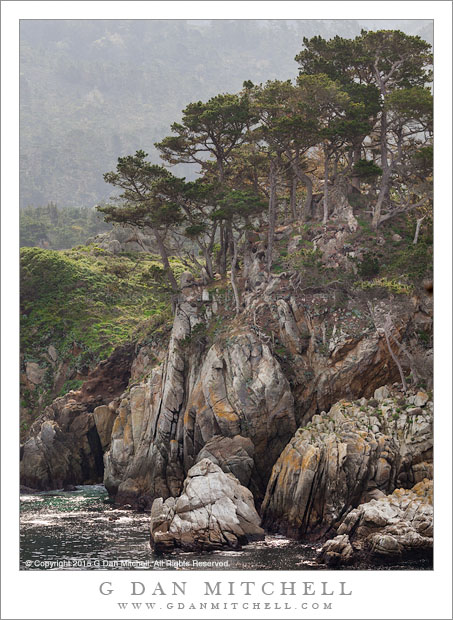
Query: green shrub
73	384
89	301
391	285
366	170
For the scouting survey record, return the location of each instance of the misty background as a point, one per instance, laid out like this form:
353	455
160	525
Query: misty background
94	90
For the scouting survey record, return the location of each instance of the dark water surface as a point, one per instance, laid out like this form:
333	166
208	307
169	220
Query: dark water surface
80	530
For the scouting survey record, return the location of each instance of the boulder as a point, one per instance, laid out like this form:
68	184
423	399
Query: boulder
293	244
113	246
421	398
35	374
394	528
336	552
186	279
53	354
381	393
213	511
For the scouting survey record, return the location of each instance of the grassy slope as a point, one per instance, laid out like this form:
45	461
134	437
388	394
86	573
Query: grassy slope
85	302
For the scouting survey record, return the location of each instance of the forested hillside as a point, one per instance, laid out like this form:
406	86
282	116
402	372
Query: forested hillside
59	228
350	139
92	90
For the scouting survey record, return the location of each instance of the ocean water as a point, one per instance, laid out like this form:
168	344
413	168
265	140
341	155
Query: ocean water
81	530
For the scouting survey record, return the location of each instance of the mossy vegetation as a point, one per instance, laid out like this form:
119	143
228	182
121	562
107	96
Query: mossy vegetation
391	285
84	302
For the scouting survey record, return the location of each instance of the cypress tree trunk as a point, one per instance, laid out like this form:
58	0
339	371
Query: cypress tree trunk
383	192
355	181
384	160
305	179
226	244
395	359
326	189
234	286
208	261
417	229
308	200
164	257
272	213
223	250
292	200
384	187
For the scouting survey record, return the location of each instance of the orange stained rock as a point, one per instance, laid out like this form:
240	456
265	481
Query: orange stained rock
196	403
222	409
120	420
127	436
310	458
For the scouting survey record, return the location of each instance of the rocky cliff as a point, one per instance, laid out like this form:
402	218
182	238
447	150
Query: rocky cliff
234	389
123	239
67	441
340	459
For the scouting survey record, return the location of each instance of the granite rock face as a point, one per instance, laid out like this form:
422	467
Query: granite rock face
213	511
65	448
233	455
66	443
394	528
236	408
104	418
233	401
241	393
329	347
232	398
238	400
344	457
144	460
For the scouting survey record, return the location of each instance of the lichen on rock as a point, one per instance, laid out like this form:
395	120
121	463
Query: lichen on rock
340	458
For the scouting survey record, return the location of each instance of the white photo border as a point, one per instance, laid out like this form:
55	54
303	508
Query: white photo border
376	594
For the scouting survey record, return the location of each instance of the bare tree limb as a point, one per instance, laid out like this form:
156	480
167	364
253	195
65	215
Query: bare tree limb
417	229
386	330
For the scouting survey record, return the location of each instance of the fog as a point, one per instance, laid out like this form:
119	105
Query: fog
93	90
